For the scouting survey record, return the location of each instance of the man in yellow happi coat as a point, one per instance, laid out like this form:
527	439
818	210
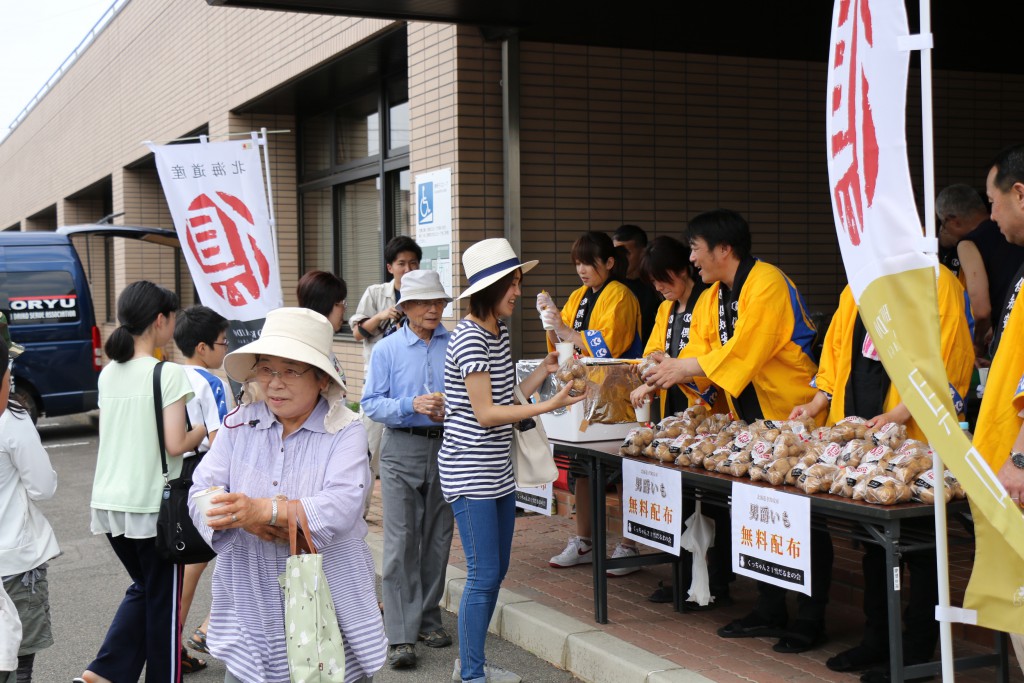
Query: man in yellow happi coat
999	436
751	336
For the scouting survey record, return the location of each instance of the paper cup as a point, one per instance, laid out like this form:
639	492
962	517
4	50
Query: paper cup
643	413
545	325
202	501
565	351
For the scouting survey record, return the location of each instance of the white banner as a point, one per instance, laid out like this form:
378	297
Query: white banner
217	199
771	536
536	499
873	204
652	505
434	225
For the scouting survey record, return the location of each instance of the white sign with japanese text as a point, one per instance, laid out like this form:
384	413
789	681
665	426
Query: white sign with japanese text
536	499
652	505
771	536
434	225
218	202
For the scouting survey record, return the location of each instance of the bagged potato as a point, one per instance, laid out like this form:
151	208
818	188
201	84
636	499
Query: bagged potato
905	467
955	487
853	452
891	434
737	464
884	490
923	488
848	429
779	469
879	455
802	428
847	478
826	452
788	445
797	470
693	416
715	423
631	444
699	451
761	455
817	478
766	429
742	441
719	455
666	450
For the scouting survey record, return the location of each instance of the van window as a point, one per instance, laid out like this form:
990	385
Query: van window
41	297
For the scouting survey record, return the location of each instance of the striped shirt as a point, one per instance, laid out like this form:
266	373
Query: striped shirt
328	473
474	460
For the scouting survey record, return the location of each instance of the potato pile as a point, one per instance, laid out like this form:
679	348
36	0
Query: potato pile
877	465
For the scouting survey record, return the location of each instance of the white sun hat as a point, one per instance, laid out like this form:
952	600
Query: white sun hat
302	335
486	262
422	285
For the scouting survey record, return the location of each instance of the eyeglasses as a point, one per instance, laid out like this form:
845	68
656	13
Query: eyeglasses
265	373
223	343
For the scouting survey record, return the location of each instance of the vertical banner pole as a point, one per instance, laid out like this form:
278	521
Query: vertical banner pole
264	142
928	149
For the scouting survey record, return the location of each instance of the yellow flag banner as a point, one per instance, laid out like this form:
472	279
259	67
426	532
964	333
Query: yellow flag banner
901	313
893	278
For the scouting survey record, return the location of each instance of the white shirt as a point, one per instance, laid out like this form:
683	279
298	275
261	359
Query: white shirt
26	537
375	299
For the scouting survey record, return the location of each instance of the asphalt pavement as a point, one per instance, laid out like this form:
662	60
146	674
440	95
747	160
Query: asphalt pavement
87	582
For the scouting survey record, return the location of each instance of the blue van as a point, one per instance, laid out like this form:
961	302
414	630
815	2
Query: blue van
45	296
44	293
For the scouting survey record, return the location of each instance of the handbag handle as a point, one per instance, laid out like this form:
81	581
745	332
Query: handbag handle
159	413
297	518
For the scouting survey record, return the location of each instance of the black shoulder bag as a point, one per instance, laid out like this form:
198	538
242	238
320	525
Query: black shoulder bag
177	539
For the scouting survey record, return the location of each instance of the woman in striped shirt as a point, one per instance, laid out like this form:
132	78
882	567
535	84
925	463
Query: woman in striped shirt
474	463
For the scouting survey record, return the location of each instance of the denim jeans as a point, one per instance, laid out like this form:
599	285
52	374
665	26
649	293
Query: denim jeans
485	527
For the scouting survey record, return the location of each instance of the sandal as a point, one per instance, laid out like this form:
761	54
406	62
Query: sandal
190	664
198	642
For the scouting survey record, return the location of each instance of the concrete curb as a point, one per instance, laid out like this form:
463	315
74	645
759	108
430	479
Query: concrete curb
581	649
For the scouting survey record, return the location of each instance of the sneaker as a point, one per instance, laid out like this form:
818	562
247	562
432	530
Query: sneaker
402	656
576	552
492	674
624	551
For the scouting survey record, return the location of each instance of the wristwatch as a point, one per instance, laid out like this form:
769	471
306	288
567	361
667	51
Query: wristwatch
1017	458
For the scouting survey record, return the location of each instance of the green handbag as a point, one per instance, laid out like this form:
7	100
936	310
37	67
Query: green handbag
316	651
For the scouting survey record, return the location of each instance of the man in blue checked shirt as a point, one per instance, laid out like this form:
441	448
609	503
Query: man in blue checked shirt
403	392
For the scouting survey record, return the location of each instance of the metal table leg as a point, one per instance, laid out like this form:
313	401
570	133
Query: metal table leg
892	591
597	511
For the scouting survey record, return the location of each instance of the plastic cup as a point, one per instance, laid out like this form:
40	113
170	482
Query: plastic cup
565	351
202	501
643	413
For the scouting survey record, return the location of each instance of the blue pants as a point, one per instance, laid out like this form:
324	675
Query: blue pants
485	527
146	629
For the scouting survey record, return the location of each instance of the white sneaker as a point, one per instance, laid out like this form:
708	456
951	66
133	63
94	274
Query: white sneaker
493	674
622	550
576	552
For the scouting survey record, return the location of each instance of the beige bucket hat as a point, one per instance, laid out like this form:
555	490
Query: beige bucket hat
302	335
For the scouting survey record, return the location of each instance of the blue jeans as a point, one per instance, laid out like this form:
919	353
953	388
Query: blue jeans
485	527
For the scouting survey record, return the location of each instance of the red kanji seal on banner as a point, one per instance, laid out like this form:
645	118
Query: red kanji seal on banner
854	191
219	230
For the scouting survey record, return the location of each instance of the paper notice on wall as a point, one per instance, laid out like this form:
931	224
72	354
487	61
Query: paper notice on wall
434	225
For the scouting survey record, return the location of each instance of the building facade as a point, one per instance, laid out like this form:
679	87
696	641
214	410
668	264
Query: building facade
544	141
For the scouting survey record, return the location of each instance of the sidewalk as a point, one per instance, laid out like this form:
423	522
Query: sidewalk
549	612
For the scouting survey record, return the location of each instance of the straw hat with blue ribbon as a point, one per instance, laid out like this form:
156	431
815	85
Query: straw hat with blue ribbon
487	262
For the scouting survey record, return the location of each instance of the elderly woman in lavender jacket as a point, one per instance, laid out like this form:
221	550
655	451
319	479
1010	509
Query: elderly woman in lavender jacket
299	442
